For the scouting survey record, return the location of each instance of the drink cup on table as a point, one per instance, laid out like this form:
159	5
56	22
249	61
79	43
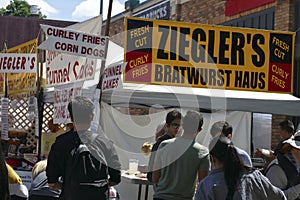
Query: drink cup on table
133	166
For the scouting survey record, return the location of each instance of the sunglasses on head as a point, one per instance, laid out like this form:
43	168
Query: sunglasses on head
175	125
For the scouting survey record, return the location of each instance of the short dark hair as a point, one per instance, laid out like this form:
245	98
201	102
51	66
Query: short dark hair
172	115
192	122
81	110
221	127
288	126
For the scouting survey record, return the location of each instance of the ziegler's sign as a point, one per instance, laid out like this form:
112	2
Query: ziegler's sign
196	55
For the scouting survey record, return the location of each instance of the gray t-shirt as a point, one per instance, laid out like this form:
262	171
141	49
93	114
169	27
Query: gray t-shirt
179	159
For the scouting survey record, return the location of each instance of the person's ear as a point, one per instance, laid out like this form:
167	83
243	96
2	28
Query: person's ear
92	117
285	148
229	136
212	159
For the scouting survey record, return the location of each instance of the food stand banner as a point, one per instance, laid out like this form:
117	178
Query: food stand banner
62	96
64	69
18	63
112	76
27	47
21	84
208	56
74	42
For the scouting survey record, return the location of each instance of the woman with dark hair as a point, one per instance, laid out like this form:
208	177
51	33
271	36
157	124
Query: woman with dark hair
4	187
230	179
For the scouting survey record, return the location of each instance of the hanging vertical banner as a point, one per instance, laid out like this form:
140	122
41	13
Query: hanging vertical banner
32	113
62	96
95	122
32	104
4	118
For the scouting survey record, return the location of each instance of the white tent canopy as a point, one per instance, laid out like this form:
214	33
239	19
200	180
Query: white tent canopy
212	99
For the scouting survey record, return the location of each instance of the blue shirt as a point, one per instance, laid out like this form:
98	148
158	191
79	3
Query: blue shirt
252	185
39	187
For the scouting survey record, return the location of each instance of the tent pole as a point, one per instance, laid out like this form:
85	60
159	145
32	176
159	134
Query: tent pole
5	142
5	74
106	48
101	7
39	96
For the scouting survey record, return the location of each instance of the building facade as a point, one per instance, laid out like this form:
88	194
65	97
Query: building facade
279	15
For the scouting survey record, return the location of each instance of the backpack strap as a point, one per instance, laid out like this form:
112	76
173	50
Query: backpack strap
90	138
289	170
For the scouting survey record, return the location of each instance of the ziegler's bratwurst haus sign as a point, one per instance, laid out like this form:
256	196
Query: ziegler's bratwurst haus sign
207	56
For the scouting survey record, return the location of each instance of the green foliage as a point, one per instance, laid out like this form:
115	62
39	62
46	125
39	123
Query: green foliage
19	8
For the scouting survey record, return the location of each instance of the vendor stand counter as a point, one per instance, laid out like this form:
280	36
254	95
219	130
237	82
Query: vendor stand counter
16	137
139	180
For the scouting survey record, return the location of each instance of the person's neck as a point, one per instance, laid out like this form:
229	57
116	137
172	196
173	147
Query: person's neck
189	136
217	165
81	127
170	134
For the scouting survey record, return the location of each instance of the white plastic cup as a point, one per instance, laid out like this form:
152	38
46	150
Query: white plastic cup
265	152
133	166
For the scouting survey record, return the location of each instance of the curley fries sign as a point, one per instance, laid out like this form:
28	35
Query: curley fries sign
74	42
208	56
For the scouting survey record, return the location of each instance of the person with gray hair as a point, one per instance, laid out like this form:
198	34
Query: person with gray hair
64	161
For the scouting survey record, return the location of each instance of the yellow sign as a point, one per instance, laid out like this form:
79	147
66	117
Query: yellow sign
22	84
27	47
208	56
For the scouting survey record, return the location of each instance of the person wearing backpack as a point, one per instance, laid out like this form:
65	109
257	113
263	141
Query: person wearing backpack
283	172
86	162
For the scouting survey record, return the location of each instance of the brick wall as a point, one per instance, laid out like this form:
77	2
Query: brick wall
276	119
116	30
284	15
197	11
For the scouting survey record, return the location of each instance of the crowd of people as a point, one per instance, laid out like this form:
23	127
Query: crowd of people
85	165
221	171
